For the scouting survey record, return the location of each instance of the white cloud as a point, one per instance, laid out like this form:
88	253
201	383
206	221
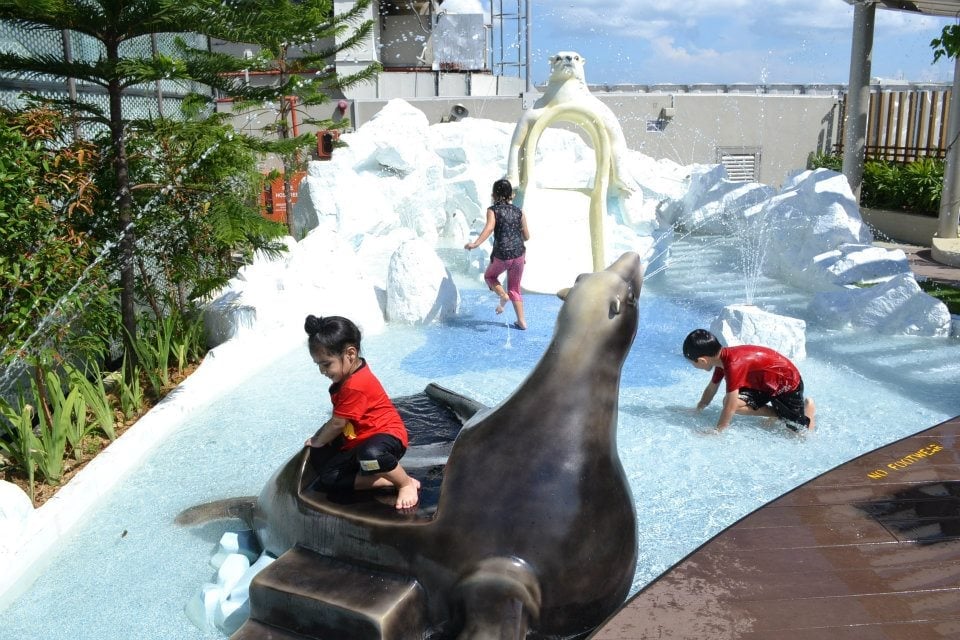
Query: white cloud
729	40
665	48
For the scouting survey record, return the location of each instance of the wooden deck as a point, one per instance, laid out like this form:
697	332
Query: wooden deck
868	550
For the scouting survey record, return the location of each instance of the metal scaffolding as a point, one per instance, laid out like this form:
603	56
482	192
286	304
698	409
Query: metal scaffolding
510	39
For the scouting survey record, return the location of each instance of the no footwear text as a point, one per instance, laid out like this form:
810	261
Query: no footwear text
906	461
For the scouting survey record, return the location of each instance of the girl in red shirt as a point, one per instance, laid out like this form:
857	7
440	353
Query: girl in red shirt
366	435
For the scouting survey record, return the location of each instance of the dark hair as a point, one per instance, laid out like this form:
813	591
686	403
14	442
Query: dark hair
333	334
699	343
502	190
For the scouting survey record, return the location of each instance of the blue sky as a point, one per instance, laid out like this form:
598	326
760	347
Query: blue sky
728	41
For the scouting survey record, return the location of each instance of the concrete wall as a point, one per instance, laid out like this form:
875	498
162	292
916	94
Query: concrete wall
785	129
685	127
897	226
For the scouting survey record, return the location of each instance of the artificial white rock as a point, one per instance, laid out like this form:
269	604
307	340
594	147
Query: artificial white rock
202	607
236	542
224	605
391	150
639	214
746	324
700	188
855	264
660	179
241	590
897	306
728	208
370	198
420	289
330	195
326	277
375	251
230	615
815	212
231	570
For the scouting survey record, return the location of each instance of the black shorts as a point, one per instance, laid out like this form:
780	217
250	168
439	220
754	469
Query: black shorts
788	406
338	469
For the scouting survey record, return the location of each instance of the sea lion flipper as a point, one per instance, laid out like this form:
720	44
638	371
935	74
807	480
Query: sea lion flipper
461	405
499	598
241	508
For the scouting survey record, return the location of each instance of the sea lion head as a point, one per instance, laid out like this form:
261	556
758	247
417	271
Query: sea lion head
566	65
603	305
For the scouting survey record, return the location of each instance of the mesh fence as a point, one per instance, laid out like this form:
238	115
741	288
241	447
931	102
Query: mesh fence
146	101
161	98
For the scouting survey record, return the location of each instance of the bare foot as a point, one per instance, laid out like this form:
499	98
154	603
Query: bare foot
504	299
408	495
810	410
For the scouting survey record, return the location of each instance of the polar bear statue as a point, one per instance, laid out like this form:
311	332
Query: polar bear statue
567	98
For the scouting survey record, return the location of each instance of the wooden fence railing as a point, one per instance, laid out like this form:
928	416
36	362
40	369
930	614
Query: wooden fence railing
904	124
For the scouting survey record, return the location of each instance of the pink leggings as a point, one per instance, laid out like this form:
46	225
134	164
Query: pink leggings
514	269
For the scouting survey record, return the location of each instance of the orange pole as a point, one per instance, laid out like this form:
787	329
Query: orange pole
293	115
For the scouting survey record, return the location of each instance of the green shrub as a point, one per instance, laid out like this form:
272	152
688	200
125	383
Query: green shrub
882	186
922	184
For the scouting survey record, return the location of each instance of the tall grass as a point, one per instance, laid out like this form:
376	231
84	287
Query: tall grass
66	403
19	444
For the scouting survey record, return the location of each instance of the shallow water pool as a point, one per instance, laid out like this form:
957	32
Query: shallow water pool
127	572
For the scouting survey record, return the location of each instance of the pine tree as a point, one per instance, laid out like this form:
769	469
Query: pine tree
296	42
112	24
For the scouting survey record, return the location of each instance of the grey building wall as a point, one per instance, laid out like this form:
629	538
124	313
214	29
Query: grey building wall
782	129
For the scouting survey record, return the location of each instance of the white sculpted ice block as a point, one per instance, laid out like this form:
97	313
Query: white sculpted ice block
746	324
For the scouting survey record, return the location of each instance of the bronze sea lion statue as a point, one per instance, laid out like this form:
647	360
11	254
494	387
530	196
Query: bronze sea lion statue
533	534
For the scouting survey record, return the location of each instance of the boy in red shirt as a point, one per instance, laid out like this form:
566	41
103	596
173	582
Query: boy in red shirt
759	381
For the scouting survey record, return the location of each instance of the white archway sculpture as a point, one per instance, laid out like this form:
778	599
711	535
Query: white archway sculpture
567	98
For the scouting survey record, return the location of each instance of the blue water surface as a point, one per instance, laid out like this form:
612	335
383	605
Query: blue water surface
127	572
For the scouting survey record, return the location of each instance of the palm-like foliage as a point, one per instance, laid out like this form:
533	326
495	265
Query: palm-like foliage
296	42
111	23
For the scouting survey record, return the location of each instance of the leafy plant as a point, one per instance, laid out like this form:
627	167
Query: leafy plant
154	350
923	179
130	390
54	291
94	393
68	416
188	344
52	429
948	44
19	443
826	161
112	27
195	186
294	42
882	185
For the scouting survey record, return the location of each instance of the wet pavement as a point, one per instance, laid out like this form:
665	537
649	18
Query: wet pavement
923	265
866	550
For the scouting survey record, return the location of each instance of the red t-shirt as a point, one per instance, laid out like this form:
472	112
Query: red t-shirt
361	400
756	367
